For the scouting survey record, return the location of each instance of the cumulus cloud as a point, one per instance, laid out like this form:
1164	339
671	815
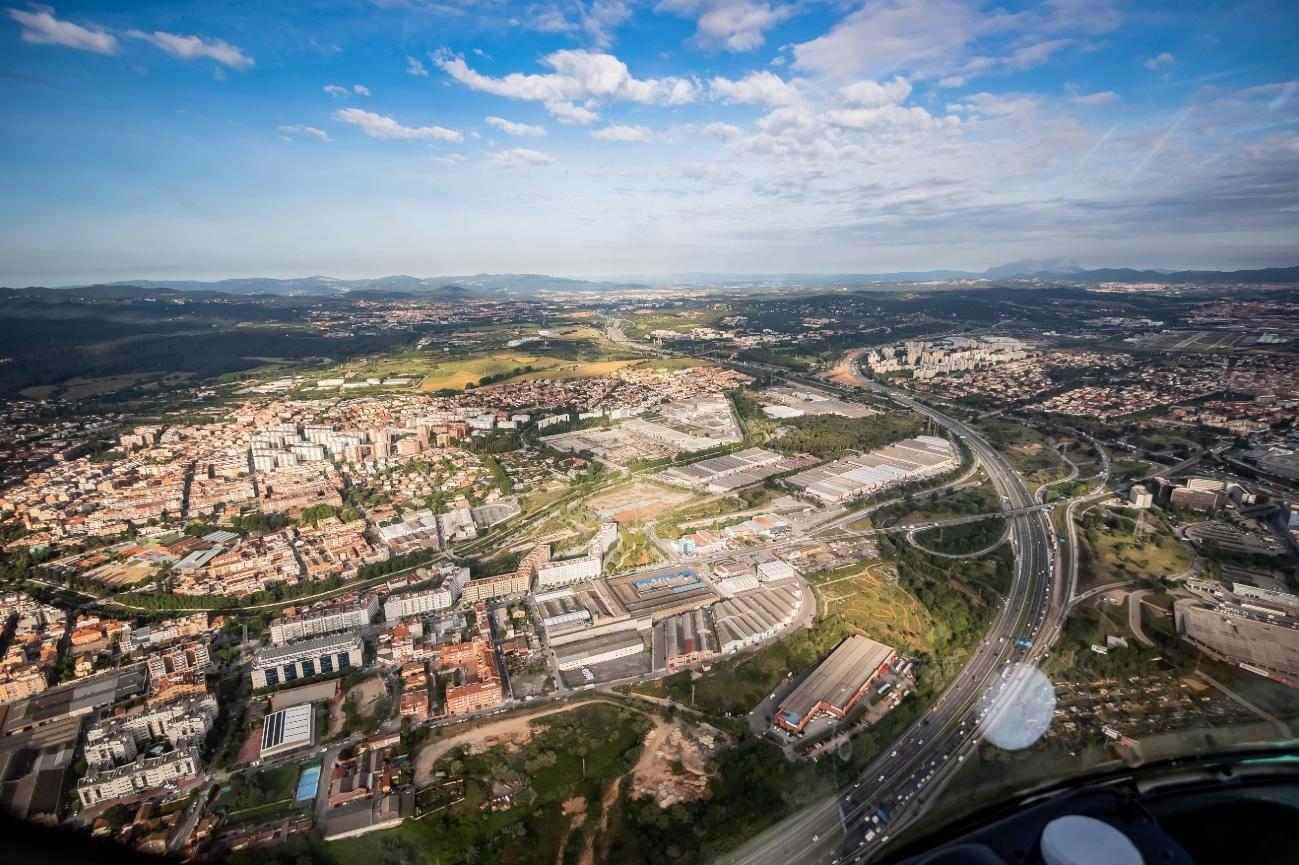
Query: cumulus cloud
725	131
519	157
415	67
40	27
577	76
336	91
567	112
196	48
734	25
509	127
292	132
623	132
1159	61
450	158
756	88
872	94
379	126
892	118
360	90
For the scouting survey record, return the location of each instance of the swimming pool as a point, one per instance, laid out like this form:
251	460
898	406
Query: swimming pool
308	781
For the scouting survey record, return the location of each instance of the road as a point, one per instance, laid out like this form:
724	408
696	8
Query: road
1134	617
844	827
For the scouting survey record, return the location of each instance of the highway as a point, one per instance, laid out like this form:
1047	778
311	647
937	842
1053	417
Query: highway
904	778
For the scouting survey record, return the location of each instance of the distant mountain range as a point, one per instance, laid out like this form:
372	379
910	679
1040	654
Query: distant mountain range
1054	270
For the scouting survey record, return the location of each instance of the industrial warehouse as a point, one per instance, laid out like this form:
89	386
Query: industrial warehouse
835	685
852	477
1261	641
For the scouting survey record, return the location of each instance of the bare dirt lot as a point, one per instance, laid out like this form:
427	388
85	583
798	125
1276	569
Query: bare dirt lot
673	766
363	697
635	501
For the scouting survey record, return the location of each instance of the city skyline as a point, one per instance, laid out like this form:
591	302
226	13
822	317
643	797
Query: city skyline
199	141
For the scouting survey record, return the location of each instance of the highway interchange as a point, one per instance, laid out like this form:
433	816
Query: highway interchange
894	790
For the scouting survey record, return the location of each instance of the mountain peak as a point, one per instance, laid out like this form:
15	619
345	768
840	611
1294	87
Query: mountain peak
1029	266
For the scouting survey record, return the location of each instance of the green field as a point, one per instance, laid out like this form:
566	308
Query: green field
1114	549
1028	450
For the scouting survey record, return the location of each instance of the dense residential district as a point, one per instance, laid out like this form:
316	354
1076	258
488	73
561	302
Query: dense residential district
525	581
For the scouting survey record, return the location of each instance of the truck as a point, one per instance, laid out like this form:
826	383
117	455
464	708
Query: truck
882	814
1024	644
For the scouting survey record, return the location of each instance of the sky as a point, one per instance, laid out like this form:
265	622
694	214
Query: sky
204	140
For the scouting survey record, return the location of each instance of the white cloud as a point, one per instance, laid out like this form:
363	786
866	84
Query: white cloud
735	25
756	88
1033	55
578	76
623	132
379	126
450	159
510	127
872	94
724	131
995	105
1159	61
890	118
360	90
601	18
416	68
336	91
952	81
1101	97
196	48
567	112
894	35
40	27
291	132
519	157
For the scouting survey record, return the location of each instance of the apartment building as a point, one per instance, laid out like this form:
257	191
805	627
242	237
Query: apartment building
189	657
139	776
416	603
278	665
326	619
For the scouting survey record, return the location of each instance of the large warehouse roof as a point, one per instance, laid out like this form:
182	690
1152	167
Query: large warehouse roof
287	729
836	682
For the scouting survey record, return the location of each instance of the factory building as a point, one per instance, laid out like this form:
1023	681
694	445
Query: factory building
684	639
600	649
836	685
751	617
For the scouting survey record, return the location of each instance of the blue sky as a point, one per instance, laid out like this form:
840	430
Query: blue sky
206	140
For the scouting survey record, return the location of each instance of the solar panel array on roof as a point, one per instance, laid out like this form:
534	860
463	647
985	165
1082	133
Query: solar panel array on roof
287	729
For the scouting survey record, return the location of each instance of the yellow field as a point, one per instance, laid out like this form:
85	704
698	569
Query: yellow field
458	373
573	334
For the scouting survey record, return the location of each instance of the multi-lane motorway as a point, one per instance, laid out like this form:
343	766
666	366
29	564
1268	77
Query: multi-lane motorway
896	788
